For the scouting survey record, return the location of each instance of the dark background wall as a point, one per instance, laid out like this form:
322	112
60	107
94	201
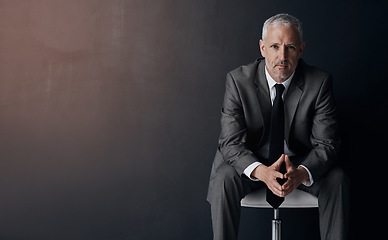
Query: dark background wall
109	110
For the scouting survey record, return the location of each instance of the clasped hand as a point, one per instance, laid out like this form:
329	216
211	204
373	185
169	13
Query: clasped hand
269	175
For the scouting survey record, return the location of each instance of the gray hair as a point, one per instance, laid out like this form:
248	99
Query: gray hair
285	20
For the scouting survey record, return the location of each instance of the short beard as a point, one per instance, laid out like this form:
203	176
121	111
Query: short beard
276	76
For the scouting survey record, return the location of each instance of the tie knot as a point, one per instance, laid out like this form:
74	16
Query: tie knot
279	89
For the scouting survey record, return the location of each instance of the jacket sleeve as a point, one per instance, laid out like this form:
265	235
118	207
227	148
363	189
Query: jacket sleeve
232	141
324	134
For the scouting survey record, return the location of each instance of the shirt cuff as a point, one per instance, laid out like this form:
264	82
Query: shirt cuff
309	181
248	171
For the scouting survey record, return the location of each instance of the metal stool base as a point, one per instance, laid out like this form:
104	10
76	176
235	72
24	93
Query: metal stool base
276	226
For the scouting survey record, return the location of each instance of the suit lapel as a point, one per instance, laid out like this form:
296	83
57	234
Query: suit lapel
292	99
263	97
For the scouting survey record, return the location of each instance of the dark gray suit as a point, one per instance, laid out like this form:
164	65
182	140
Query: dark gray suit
311	132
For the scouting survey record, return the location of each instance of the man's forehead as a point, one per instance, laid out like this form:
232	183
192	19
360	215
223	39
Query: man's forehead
288	32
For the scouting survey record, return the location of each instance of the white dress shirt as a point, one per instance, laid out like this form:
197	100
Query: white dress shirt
264	151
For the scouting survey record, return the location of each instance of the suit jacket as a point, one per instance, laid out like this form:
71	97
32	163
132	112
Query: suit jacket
311	128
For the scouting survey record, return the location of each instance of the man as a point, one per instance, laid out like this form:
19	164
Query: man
311	138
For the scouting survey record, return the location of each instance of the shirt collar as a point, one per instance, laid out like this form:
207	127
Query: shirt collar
272	82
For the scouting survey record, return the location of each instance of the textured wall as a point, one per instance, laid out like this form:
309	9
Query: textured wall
109	110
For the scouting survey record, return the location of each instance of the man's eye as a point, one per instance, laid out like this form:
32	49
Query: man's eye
274	46
291	47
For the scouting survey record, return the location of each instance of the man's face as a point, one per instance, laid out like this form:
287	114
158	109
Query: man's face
282	48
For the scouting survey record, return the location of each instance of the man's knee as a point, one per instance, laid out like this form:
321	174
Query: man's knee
225	181
336	180
226	176
338	177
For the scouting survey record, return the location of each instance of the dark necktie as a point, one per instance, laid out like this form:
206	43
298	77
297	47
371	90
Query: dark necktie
276	144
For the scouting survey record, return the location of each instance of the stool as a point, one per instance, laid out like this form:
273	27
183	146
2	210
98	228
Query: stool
296	199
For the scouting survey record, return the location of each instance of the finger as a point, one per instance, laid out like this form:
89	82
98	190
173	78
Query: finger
279	193
278	162
288	162
277	186
287	191
281	159
290	185
290	173
286	185
287	188
276	174
276	190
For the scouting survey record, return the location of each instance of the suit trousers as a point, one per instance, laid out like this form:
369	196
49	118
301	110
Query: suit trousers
227	188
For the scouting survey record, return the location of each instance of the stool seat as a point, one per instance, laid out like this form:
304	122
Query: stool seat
296	199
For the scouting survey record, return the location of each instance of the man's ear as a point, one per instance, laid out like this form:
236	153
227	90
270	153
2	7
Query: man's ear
302	45
262	48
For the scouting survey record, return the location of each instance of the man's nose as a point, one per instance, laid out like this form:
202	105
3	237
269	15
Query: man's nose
283	53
